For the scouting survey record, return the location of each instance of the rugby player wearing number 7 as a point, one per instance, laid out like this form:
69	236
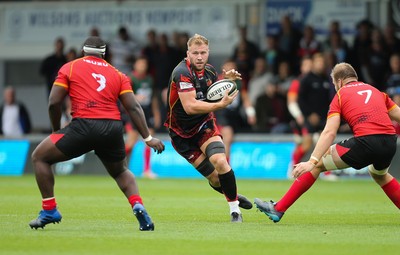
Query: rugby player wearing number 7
368	112
191	122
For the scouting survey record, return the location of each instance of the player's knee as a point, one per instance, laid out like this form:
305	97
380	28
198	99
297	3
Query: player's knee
377	173
206	169
215	151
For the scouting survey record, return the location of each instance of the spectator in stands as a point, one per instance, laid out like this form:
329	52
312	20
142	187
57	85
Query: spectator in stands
244	54
308	44
238	116
143	86
391	41
14	117
150	50
71	54
393	84
361	46
271	110
52	63
182	44
376	65
284	78
314	98
273	54
292	104
166	60
124	51
289	38
259	78
338	46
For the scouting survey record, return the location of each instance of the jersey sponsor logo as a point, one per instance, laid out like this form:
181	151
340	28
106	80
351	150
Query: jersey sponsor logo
185	85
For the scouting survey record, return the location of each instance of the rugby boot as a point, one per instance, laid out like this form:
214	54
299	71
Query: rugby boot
244	202
236	217
145	222
269	209
45	217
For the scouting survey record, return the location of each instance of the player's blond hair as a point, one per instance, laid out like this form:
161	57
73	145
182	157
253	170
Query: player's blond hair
343	71
197	39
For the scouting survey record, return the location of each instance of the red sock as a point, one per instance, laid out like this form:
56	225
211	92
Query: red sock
392	190
298	154
135	199
49	203
299	186
147	153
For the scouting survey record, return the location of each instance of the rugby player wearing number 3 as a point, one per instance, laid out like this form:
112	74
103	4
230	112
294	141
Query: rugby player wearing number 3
368	112
94	87
191	122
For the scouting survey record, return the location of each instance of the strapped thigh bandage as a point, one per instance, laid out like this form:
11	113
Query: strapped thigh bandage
372	170
328	160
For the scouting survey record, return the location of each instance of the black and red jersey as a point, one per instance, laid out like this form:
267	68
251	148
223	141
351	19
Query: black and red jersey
184	79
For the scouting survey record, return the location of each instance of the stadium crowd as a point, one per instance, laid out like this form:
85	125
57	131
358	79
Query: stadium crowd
268	70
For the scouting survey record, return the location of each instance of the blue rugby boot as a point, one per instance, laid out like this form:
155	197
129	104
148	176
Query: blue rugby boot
269	209
145	222
45	217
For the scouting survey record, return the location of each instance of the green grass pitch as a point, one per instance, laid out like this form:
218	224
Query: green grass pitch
344	217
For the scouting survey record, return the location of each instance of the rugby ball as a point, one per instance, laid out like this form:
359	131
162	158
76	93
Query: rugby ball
217	90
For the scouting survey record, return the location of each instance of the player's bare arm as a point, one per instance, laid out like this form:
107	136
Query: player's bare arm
324	142
193	106
136	114
56	99
394	114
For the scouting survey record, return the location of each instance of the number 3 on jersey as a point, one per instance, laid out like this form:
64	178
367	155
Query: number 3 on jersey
101	80
368	92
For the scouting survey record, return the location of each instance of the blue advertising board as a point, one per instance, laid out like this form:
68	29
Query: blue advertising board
13	155
252	160
319	14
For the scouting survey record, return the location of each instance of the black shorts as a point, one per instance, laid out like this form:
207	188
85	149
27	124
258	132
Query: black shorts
105	137
189	148
359	152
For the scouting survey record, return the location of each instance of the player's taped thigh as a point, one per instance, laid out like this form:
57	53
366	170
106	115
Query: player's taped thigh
372	170
327	159
214	148
205	168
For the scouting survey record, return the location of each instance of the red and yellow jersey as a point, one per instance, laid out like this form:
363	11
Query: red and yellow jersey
94	87
364	108
294	88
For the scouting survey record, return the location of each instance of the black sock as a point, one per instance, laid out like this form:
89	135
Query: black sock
217	189
228	185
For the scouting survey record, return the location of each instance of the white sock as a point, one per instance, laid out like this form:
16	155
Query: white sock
234	206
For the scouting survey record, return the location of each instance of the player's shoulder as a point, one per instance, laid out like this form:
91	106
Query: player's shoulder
181	69
210	68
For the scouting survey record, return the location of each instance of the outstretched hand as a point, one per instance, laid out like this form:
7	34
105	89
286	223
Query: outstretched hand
157	145
302	168
232	74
